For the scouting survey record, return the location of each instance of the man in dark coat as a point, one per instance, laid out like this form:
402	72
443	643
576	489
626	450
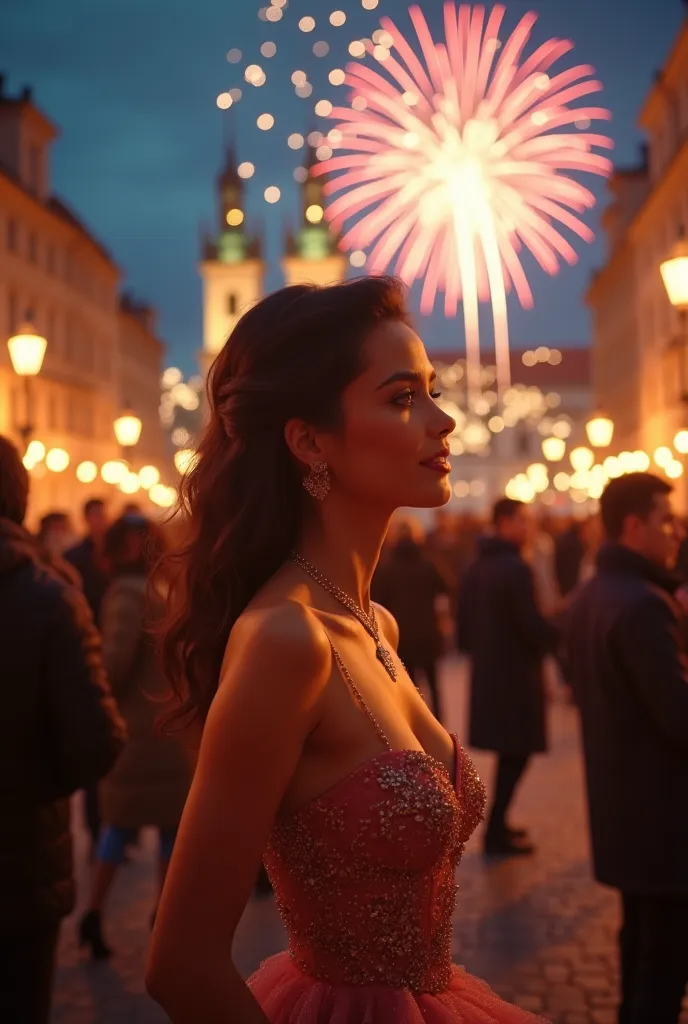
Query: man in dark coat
630	680
61	731
506	638
89	560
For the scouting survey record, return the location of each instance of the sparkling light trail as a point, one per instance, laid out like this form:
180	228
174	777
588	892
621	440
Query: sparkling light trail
456	156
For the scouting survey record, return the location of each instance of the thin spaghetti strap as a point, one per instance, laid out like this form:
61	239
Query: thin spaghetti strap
357	694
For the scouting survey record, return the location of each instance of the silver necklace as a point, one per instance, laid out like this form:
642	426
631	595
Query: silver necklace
369	622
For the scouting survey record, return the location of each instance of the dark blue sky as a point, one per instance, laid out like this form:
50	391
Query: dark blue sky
132	83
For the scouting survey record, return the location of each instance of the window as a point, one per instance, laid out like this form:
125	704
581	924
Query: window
12	311
35	169
523	440
53	413
231	303
12	234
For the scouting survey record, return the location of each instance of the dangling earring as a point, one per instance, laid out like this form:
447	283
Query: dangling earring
318	481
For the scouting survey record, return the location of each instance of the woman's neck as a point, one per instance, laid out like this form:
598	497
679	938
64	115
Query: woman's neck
344	545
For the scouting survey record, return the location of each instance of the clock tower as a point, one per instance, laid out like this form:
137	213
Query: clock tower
312	255
231	265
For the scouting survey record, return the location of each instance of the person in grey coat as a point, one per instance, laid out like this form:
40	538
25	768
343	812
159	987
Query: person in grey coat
630	679
506	638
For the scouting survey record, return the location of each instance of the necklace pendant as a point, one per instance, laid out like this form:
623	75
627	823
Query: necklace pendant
386	658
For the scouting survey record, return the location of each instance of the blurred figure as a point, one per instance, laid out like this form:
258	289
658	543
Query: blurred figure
629	675
506	637
443	548
55	534
408	583
569	552
539	552
61	731
88	558
150	782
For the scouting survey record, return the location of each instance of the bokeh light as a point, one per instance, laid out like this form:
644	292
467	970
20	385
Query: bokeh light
246	169
234	55
337	18
272	194
268	49
321	48
307	24
323	108
265	122
295	141
357	258
336	76
224	101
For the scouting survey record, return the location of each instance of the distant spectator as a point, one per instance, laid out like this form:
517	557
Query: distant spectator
88	558
149	784
506	637
408	583
61	731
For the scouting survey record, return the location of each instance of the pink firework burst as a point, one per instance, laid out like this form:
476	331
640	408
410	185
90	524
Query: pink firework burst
455	157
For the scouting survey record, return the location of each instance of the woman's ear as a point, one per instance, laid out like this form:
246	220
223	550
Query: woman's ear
303	442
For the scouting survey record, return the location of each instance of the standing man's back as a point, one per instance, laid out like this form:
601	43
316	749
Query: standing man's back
629	676
501	629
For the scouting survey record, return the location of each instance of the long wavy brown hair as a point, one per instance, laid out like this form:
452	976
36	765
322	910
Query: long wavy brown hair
290	356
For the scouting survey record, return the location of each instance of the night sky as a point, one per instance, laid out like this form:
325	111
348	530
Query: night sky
133	84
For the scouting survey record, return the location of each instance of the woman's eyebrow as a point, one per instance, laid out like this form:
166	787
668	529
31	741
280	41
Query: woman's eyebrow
410	376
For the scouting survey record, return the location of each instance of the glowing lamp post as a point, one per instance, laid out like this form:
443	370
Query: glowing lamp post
674	272
128	429
554	448
27	349
600	431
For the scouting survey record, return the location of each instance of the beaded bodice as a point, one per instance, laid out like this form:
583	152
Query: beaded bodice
364	874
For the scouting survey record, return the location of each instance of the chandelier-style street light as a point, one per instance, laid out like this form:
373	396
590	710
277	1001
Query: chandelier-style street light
128	428
27	350
600	430
674	270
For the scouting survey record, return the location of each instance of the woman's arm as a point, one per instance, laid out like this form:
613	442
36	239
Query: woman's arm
277	665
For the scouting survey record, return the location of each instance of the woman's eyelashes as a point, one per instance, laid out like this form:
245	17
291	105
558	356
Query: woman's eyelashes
408	396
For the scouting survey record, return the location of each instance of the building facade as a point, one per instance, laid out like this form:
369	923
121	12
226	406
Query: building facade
55	273
640	353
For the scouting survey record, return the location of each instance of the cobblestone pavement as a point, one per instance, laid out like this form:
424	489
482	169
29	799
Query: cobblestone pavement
539	930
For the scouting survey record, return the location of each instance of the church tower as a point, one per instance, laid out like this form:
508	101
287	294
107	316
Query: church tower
312	256
231	266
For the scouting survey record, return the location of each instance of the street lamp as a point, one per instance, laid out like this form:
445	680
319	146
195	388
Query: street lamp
128	429
554	448
600	430
674	272
27	349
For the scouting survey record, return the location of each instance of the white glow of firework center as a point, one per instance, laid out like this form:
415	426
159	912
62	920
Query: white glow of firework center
459	157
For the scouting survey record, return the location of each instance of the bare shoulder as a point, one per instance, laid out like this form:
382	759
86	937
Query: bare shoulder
388	624
282	649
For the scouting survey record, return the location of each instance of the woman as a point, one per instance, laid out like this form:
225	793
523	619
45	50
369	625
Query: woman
150	781
317	753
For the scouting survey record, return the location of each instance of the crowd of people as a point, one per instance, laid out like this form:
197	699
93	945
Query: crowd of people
84	690
593	597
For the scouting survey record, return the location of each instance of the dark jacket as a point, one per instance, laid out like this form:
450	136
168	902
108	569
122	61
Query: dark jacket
569	551
61	729
501	629
407	582
630	680
93	576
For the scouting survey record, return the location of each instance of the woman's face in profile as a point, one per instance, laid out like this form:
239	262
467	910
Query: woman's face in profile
392	449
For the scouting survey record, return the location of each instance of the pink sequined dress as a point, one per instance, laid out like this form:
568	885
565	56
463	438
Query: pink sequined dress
364	877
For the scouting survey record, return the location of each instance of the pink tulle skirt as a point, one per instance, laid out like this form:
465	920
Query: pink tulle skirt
288	996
